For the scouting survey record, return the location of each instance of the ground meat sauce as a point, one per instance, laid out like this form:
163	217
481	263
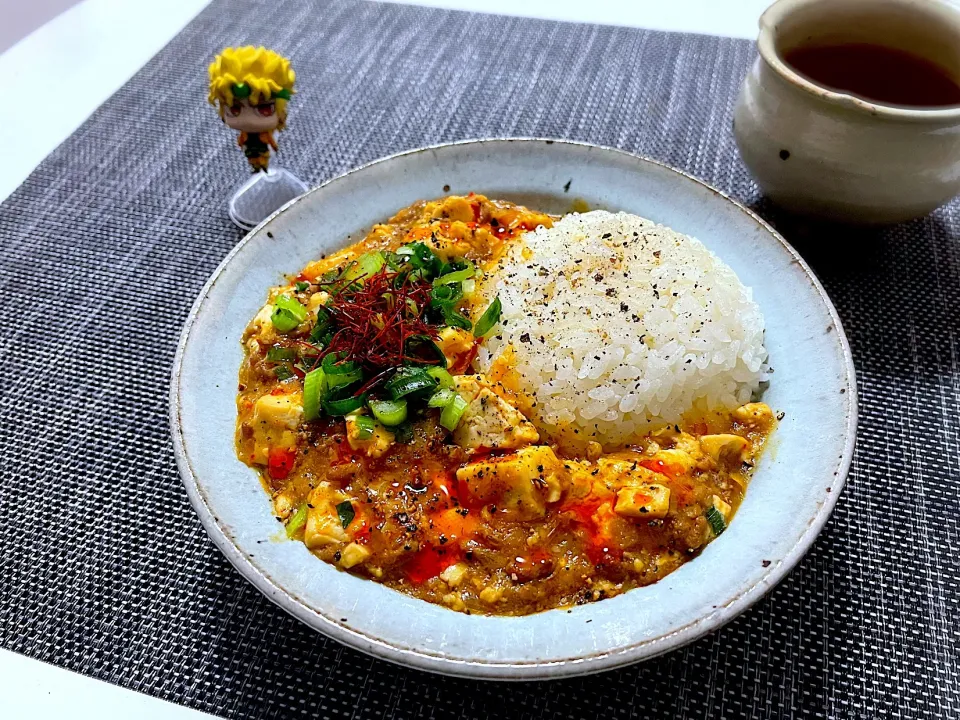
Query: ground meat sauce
487	517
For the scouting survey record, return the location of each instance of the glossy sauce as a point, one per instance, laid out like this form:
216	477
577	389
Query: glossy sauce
877	73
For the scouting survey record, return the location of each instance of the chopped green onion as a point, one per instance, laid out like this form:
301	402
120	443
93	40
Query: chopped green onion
336	380
422	258
715	518
324	321
455	319
301	286
468	286
490	317
444	378
346	513
296	521
450	417
445	295
314	388
395	261
456	277
363	267
403	433
288	303
279	354
409	380
365	426
283	372
283	320
334	364
344	406
340	373
422	340
389	412
441	398
456	264
287	314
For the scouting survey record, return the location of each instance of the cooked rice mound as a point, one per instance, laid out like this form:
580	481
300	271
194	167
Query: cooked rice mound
616	326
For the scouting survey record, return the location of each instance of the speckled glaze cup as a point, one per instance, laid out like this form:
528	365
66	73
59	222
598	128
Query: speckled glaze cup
834	155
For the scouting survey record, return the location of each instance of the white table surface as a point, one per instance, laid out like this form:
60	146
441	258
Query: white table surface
87	53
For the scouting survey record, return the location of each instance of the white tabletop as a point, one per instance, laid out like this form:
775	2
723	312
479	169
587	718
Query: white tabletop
87	53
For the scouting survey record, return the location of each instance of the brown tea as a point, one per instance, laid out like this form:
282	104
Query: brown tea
877	73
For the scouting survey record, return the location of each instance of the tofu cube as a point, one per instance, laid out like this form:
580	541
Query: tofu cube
455	343
643	501
722	506
724	447
454	574
323	522
274	423
374	446
758	415
456	207
521	483
353	554
489	421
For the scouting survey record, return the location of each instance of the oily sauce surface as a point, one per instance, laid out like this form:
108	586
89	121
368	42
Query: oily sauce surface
507	530
878	73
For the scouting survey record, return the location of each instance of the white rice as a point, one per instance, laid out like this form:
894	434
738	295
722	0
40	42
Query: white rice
619	325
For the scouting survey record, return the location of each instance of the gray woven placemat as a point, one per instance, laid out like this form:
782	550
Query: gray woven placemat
104	567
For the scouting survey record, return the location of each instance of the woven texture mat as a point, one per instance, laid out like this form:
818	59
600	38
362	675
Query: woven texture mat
104	568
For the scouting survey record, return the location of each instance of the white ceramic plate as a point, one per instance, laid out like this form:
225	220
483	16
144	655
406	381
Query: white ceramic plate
790	498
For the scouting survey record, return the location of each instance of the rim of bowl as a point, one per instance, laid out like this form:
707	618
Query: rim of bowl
493	670
767	47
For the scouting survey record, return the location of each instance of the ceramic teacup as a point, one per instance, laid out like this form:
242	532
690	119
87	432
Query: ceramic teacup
828	153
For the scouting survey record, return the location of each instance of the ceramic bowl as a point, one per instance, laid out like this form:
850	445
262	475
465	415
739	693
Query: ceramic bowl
789	499
837	156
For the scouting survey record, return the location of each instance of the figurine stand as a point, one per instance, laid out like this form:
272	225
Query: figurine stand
263	194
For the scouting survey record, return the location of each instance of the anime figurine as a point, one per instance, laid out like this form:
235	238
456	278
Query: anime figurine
250	88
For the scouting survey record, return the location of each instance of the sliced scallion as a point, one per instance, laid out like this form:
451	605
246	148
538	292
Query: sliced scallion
279	354
337	380
444	378
409	380
716	520
324	321
313	392
441	398
454	319
340	374
424	342
296	521
364	266
365	426
301	286
287	314
445	295
283	372
344	406
455	277
346	513
389	412
490	317
422	258
403	433
395	261
451	414
283	320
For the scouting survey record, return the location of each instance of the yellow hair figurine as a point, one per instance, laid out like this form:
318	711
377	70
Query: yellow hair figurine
250	88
